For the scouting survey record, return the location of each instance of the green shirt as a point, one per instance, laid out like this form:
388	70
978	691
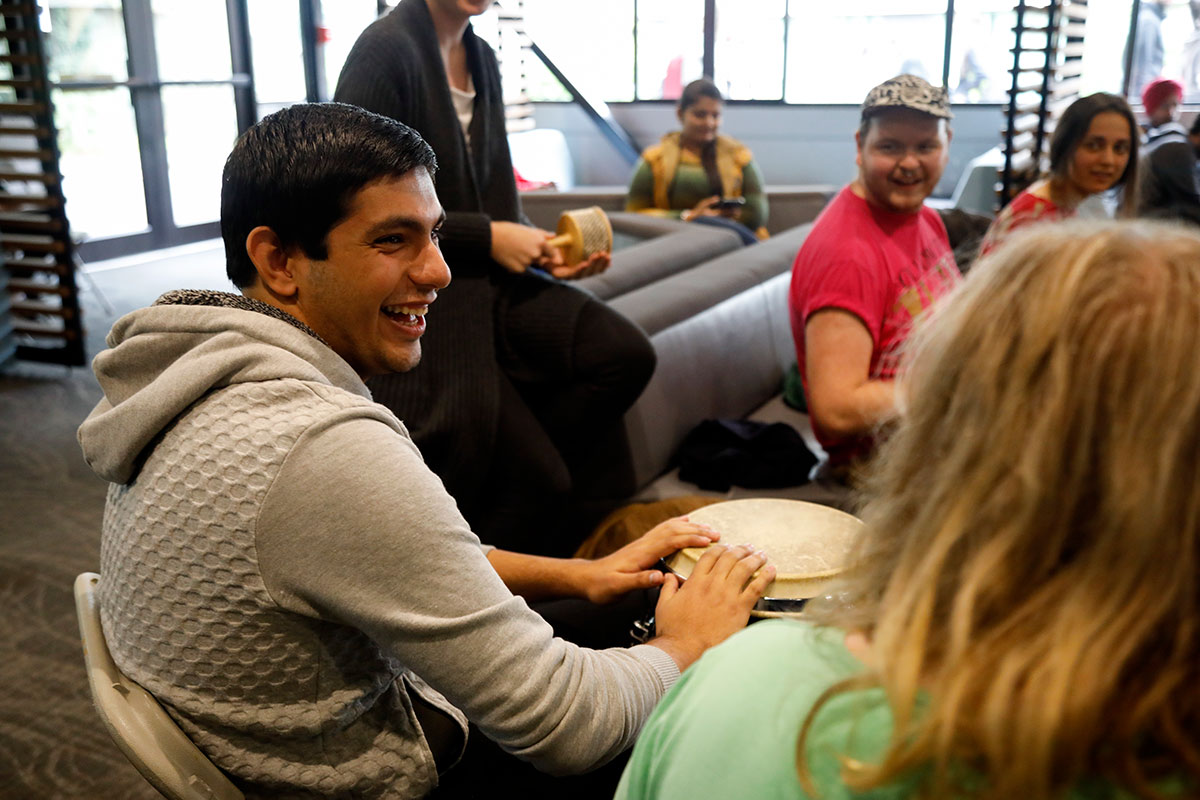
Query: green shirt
729	727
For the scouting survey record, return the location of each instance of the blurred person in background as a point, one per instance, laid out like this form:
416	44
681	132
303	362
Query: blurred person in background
697	174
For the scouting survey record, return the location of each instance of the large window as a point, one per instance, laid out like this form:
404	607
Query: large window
277	52
669	46
980	60
838	51
149	96
1108	29
743	67
795	51
804	51
102	171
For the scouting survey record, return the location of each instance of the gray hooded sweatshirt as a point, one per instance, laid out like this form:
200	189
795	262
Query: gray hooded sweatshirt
283	572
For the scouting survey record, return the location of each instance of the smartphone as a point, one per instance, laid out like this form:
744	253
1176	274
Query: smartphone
729	203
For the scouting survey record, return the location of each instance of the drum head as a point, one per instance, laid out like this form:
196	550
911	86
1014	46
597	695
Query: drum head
808	543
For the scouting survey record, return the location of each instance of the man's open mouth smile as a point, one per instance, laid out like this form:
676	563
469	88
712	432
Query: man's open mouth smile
413	315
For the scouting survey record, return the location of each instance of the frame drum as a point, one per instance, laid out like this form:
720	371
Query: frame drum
808	544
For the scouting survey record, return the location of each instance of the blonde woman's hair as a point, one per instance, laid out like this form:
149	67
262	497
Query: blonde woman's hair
1030	582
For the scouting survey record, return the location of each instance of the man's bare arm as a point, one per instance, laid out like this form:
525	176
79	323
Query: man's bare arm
843	399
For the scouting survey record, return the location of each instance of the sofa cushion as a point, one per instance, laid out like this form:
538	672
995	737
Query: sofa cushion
659	305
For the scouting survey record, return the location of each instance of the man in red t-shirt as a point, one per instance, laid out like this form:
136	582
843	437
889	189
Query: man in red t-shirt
875	259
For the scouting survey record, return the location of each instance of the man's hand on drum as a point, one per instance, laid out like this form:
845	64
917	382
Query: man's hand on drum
632	567
713	603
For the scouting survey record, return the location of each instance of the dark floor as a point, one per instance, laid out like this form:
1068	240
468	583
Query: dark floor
52	744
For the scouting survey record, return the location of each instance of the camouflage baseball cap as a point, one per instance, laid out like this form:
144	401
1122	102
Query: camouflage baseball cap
911	92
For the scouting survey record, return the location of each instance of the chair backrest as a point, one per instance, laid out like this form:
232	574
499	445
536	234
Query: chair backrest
147	736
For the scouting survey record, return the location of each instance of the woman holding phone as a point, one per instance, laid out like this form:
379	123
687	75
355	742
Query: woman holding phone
698	175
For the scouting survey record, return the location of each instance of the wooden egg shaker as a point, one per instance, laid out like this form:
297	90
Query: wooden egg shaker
582	232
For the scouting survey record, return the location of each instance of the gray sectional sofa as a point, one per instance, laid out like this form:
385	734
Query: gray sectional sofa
717	315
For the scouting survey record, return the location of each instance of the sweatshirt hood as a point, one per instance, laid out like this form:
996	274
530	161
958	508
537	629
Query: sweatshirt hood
164	358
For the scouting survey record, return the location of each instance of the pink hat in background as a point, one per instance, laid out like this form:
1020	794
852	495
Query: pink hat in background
1158	91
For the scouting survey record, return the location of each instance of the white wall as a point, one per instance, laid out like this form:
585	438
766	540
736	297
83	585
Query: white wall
792	144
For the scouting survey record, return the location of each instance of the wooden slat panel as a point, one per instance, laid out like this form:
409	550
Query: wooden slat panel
1067	88
41	329
31	244
29	223
41	308
30	286
37	177
1026	123
18	9
1022	161
31	109
19	35
16	202
38	132
25	265
40	155
1023	142
1054	108
21	83
44	305
1030	84
1071	69
1074	11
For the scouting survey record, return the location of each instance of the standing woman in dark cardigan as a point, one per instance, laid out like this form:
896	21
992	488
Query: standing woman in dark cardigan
517	403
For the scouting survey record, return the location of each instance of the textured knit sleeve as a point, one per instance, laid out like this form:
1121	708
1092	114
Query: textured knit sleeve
754	213
357	530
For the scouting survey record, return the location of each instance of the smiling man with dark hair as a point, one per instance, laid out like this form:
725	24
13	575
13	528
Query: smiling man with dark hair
876	258
280	568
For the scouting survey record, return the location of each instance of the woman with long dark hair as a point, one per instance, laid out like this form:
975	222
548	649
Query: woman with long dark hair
698	175
1093	149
